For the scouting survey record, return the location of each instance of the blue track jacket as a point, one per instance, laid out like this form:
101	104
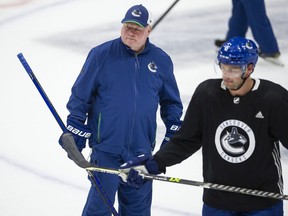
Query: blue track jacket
119	91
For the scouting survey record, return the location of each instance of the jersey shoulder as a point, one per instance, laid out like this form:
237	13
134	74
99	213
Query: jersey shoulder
210	86
269	89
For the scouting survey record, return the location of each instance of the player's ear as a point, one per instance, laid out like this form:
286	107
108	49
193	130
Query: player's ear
149	29
250	69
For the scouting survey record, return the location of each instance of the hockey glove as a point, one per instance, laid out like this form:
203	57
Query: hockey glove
80	132
171	129
133	170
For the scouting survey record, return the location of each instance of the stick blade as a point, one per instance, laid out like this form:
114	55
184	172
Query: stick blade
74	154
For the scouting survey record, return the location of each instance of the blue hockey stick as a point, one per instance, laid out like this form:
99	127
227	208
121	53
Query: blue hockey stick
95	181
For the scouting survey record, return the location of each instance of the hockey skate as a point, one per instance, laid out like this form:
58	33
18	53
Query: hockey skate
273	58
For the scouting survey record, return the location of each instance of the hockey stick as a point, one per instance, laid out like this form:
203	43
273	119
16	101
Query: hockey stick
207	185
78	158
164	14
95	181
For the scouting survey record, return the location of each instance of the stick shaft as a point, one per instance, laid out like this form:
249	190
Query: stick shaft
207	185
164	14
41	90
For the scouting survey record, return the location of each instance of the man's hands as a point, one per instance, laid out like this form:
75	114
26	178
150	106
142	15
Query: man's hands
133	170
172	128
80	132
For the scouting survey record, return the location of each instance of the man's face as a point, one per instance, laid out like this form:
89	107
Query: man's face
134	36
232	75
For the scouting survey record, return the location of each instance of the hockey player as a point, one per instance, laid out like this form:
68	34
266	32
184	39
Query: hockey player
247	13
239	122
118	91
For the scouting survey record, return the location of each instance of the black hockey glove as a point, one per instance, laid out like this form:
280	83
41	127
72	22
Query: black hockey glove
80	132
133	170
171	129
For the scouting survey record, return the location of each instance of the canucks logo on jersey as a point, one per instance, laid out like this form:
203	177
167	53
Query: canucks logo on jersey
234	140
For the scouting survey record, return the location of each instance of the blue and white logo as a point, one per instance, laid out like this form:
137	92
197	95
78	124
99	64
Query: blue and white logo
235	141
152	67
136	13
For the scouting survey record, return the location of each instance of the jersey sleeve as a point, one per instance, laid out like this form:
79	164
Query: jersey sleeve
279	117
170	103
187	140
83	88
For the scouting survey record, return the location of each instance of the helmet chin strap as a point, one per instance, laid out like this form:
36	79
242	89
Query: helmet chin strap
243	80
240	86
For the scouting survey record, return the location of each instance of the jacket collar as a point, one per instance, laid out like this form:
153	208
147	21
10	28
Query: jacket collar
132	52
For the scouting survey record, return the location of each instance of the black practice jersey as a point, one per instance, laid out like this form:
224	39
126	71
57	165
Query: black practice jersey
239	137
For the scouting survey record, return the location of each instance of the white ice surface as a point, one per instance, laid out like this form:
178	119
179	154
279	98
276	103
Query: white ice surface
55	37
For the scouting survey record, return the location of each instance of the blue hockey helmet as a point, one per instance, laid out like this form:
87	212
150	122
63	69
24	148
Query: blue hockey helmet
238	51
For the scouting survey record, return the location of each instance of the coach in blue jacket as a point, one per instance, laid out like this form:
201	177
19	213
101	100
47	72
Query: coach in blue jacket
117	93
